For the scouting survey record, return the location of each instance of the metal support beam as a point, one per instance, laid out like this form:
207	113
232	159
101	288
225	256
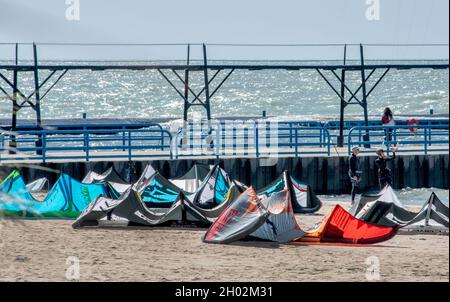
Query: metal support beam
197	99
197	95
54	84
366	137
222	82
21	94
207	95
171	83
43	83
330	85
37	94
344	88
340	138
186	85
15	107
343	85
378	82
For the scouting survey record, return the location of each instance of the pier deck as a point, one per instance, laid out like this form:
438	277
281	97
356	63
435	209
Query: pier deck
151	155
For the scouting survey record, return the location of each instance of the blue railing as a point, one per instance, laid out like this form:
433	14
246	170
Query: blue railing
90	144
333	126
417	138
264	139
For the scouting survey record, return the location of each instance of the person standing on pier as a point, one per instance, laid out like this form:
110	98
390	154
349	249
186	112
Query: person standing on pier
387	120
354	173
384	173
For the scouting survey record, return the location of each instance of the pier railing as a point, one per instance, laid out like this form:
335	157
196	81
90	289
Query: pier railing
334	125
410	138
261	140
85	144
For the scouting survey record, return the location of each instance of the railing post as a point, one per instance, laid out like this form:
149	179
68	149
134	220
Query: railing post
328	142
218	144
245	141
234	141
2	143
257	141
349	141
44	147
359	137
123	139
85	139
388	139
430	133
191	137
86	143
223	137
290	135
296	142
129	145
425	140
395	136
174	143
321	137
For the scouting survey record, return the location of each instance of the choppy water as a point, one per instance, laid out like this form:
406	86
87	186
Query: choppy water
145	94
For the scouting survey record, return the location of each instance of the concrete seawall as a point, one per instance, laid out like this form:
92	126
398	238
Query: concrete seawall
327	175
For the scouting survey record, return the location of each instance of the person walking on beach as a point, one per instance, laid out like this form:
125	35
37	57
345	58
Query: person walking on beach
384	173
387	120
354	173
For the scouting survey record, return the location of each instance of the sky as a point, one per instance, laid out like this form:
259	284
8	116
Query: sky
231	21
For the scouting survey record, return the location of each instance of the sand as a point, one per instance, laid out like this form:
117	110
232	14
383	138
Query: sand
39	251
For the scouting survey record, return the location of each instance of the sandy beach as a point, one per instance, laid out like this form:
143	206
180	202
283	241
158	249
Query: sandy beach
38	251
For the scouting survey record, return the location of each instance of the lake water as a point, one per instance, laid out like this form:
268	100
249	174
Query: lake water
301	94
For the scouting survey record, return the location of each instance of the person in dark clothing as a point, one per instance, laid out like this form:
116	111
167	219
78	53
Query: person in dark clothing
354	173
384	173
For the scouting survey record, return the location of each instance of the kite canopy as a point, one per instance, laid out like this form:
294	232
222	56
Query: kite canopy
66	199
386	195
145	179
272	218
39	185
162	193
304	200
269	218
13	188
212	189
341	227
235	190
433	214
191	181
383	209
130	209
386	210
110	177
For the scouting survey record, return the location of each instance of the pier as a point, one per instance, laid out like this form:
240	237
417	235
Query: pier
253	149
